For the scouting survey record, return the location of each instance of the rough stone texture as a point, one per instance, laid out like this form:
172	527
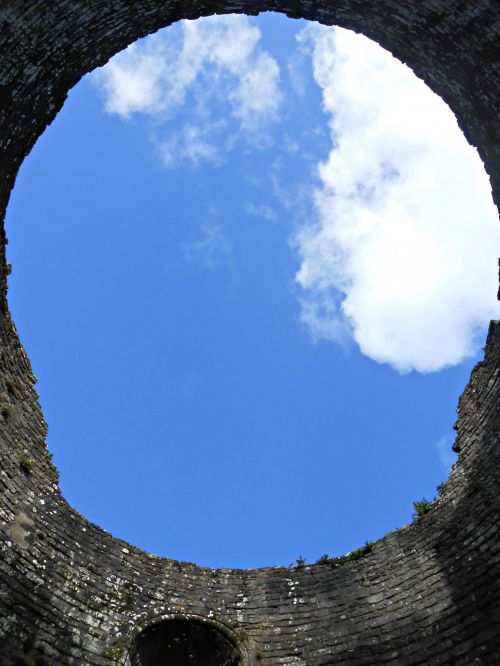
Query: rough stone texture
70	593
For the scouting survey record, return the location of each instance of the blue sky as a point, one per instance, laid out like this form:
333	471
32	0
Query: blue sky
253	264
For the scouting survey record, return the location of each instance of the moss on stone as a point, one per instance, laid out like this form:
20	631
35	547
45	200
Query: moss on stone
26	464
115	652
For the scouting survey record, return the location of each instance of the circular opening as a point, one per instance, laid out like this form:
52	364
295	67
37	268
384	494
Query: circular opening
282	484
182	643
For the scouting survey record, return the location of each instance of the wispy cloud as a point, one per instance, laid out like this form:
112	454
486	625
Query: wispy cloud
402	249
211	249
263	211
192	144
446	454
209	68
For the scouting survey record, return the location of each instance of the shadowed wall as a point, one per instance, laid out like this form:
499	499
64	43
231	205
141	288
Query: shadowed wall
70	593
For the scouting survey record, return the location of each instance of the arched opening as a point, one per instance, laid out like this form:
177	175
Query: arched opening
182	643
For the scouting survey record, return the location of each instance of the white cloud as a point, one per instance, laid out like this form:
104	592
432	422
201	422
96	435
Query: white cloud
256	95
403	249
136	81
401	253
196	66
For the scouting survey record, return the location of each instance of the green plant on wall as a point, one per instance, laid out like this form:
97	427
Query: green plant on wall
421	508
26	464
354	555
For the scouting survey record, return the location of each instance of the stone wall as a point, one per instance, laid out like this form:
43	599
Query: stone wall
70	593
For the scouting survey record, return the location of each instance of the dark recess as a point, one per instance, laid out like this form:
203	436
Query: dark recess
183	643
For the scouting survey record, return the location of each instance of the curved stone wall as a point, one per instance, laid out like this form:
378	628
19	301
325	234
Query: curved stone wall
70	593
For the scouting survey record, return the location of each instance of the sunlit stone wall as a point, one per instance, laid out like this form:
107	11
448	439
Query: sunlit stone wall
70	593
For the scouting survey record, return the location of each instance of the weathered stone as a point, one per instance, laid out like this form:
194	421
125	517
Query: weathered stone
70	593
